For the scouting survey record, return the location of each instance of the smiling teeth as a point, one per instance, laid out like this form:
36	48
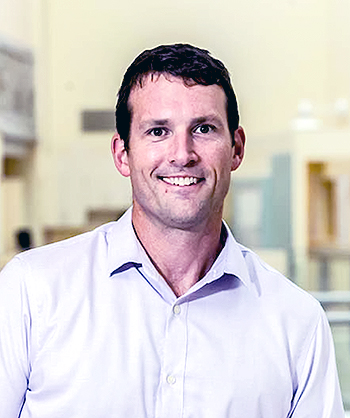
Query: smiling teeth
180	181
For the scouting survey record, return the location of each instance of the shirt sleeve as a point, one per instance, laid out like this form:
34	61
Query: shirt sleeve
318	393
15	330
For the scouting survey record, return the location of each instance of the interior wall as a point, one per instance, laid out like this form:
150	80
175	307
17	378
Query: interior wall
338	51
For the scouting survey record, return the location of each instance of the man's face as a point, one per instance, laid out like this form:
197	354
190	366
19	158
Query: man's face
180	152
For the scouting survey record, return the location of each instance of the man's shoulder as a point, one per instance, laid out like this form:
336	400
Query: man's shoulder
68	247
71	255
265	281
274	288
84	244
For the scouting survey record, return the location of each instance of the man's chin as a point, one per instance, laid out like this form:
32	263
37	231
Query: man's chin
187	216
185	219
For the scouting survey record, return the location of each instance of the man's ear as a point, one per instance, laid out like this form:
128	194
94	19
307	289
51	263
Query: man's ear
238	148
120	155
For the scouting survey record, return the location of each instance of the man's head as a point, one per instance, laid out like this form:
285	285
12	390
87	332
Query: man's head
175	136
193	65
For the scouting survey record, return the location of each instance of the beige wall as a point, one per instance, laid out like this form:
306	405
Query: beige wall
338	83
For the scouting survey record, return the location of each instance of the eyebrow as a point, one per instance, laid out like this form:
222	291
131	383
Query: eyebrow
195	121
153	122
209	118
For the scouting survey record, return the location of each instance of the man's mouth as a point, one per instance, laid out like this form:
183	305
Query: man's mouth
181	181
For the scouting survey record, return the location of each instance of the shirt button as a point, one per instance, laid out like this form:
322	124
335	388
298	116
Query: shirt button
171	379
176	310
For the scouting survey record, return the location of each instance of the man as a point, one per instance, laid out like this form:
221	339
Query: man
162	314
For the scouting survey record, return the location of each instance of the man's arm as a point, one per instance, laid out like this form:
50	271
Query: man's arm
318	394
15	339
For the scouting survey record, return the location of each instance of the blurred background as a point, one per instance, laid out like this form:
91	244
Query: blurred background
61	64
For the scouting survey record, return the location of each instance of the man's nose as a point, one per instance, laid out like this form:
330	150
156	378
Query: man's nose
183	150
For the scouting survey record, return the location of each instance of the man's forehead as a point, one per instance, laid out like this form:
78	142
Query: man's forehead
162	84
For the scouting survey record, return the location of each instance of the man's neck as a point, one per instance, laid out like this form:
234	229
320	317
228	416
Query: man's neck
182	257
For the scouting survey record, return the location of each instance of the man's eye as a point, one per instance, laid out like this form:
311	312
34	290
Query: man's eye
204	129
157	131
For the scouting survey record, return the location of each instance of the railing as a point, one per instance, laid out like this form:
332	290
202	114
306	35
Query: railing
325	257
332	301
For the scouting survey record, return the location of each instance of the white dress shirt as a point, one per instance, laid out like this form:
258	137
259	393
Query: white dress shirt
89	329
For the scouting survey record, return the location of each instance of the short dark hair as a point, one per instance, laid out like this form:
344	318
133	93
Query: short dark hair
192	64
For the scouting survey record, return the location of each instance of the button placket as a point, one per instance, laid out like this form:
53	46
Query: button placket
175	352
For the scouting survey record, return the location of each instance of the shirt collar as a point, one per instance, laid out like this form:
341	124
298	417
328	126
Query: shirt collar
122	244
120	258
231	260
